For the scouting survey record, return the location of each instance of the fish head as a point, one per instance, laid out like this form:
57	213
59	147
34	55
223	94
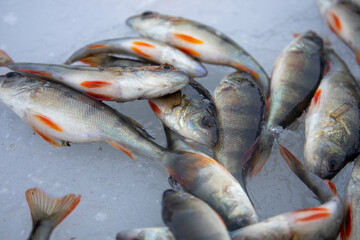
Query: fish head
325	159
13	83
311	42
172	201
150	24
201	127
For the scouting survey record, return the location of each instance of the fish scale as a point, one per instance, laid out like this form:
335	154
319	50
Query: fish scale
240	113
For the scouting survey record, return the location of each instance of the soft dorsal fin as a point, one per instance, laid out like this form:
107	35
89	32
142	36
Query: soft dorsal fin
46	208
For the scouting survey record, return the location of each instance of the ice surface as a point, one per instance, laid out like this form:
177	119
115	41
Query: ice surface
118	193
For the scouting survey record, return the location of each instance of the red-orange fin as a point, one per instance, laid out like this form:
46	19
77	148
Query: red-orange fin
50	209
337	21
332	186
119	147
50	140
188	38
96	46
190	51
155	108
314	217
326	68
139	52
317	96
48	122
88	62
37	72
246	69
143	44
314	209
346	227
100	97
295	35
95	84
290	159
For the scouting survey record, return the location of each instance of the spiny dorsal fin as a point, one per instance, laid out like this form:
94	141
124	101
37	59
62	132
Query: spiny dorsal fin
46	208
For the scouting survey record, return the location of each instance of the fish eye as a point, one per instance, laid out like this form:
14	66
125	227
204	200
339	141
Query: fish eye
207	122
12	75
167	66
147	13
333	164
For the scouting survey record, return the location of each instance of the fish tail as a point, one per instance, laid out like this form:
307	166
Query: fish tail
50	209
4	58
324	189
255	158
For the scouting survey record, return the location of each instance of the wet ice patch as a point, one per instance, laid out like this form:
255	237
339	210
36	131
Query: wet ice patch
10	18
100	217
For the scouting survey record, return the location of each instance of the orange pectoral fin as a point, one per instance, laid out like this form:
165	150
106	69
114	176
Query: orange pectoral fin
188	38
337	21
314	217
119	147
143	44
319	209
317	96
295	35
96	46
37	72
190	51
155	108
99	97
95	84
48	122
50	140
139	52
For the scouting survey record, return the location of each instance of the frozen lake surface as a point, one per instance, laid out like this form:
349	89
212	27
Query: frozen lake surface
118	193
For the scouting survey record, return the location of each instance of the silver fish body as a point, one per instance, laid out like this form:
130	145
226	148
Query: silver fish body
118	84
151	50
240	106
198	40
190	112
189	218
160	233
58	113
332	124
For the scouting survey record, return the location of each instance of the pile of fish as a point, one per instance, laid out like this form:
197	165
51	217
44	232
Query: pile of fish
241	122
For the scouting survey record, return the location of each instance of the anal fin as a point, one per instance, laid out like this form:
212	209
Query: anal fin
50	140
121	148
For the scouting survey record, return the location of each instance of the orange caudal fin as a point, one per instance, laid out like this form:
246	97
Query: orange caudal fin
95	84
4	58
48	139
118	146
50	209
